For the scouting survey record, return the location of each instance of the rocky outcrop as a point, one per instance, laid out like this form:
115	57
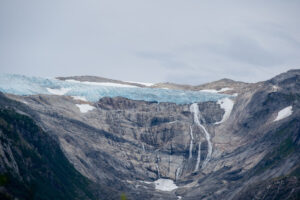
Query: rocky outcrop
232	87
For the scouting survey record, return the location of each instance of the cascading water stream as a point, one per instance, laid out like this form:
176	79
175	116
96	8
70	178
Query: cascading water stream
195	110
191	143
178	173
157	166
198	157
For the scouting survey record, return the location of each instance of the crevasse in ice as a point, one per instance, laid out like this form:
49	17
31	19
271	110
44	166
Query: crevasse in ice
25	85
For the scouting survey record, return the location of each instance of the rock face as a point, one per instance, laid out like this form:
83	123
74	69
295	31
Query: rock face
125	144
32	165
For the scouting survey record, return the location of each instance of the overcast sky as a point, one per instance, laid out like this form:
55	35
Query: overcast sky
183	41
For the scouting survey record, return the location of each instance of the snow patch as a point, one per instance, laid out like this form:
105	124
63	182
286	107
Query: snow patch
284	113
227	105
84	108
225	89
216	91
275	88
209	90
60	91
79	98
25	102
108	84
141	83
165	184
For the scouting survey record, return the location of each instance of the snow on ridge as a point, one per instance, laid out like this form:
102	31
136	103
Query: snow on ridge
226	104
225	89
141	83
216	91
108	84
72	81
60	91
79	98
209	90
284	113
84	108
165	184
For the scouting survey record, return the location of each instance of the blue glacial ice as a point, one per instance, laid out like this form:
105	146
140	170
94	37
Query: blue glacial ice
25	85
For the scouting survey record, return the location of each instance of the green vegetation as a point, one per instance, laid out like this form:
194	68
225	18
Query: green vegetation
3	179
123	196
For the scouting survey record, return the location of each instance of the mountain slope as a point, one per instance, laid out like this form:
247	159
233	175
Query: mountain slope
33	166
207	149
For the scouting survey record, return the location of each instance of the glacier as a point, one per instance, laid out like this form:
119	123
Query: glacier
28	85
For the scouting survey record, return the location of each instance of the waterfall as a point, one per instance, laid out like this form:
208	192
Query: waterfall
198	157
143	146
157	167
158	174
195	110
178	173
191	143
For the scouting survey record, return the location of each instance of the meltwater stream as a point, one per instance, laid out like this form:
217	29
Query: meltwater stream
191	143
25	85
195	110
198	157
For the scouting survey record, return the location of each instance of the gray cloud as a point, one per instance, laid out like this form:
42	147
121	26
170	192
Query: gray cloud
171	40
166	60
248	51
